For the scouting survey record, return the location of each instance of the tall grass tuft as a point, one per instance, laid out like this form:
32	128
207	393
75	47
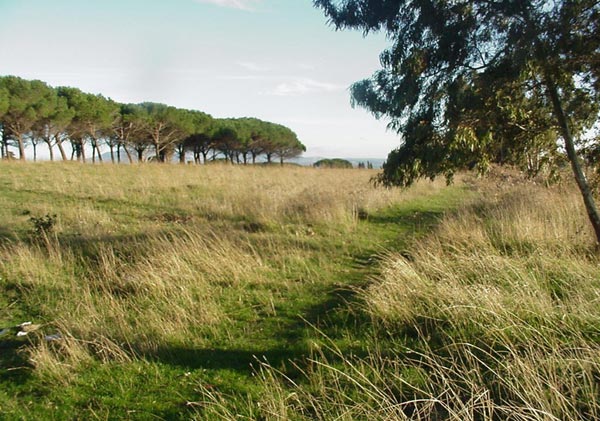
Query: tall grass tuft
495	315
501	305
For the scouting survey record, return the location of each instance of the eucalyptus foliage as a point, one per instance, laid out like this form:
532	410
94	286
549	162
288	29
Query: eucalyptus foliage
467	83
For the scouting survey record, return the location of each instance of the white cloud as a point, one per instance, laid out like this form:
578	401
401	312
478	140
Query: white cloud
234	4
253	67
286	85
306	66
303	86
242	77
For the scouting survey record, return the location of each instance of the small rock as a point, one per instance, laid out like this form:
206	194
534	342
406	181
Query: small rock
54	337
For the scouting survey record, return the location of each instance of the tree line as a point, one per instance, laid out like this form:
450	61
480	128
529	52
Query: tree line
77	124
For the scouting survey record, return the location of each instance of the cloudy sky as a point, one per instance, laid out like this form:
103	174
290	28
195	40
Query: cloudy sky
277	60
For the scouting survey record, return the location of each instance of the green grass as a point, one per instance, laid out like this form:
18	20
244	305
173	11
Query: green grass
286	284
221	292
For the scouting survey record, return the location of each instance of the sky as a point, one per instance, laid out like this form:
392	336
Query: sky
277	60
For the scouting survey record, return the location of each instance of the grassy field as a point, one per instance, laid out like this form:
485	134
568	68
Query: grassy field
221	292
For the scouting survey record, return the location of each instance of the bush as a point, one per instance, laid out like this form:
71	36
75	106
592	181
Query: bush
333	163
42	225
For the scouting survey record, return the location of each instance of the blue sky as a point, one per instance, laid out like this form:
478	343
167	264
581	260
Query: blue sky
277	60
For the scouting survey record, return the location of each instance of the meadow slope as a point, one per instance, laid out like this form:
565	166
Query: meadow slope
230	292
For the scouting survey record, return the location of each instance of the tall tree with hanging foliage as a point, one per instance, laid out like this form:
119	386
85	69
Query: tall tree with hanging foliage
453	64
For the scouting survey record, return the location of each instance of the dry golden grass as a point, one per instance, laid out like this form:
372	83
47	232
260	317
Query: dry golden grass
525	254
502	308
149	256
98	196
495	315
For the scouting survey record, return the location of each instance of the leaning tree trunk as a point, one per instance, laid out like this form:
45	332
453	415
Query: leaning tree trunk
21	147
61	150
129	158
563	124
98	151
584	187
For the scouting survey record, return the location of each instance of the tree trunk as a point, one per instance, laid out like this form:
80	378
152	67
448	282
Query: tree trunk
81	152
157	151
586	192
128	154
2	143
98	150
34	144
50	150
61	149
112	153
563	124
21	147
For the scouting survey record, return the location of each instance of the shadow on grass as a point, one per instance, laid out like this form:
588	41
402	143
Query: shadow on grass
333	318
409	220
282	341
241	360
14	364
131	209
6	235
326	321
287	342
